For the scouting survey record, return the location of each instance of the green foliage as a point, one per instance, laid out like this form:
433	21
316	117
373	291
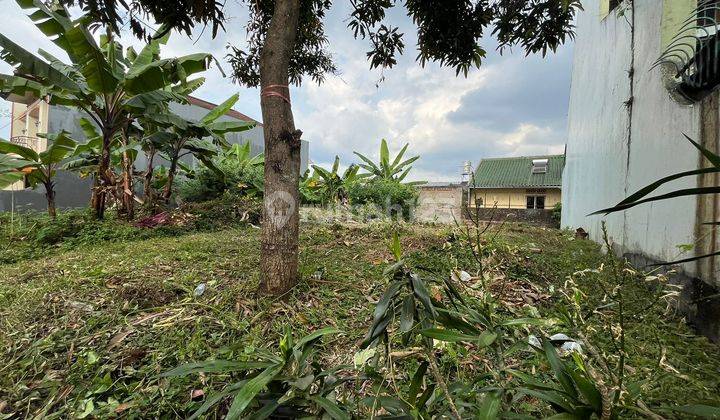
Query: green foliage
388	169
390	196
574	393
557	213
233	172
287	382
332	187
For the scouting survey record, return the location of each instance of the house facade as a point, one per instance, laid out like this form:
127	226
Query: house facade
31	116
645	74
528	187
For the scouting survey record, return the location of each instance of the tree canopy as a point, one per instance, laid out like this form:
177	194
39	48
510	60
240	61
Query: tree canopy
449	32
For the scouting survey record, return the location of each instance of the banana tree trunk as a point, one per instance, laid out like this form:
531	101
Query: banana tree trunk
147	179
128	192
279	238
167	192
50	196
103	180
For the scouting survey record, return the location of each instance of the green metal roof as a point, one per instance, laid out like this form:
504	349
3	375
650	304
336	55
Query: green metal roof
516	172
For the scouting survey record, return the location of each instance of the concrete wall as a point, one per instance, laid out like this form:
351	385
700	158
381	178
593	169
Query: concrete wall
625	131
515	198
440	204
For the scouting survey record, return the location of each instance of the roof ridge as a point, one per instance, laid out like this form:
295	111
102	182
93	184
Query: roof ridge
522	157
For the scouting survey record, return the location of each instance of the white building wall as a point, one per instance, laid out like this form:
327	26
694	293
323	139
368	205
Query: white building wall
609	154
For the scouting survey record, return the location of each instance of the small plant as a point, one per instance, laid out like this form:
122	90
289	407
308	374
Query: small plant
287	383
575	394
331	186
19	163
234	172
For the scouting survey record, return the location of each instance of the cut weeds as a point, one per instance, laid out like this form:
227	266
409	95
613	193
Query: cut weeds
88	330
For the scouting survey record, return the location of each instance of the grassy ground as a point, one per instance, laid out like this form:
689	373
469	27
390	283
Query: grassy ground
85	329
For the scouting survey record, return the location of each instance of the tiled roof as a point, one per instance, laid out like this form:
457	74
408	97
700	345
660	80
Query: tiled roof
516	172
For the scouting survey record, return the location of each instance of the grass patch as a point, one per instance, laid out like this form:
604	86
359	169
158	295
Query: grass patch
86	327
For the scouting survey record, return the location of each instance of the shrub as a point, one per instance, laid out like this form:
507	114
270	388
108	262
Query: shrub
556	213
236	179
391	196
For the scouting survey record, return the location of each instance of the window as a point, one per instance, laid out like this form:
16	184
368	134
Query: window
694	52
607	6
539	166
536	202
478	202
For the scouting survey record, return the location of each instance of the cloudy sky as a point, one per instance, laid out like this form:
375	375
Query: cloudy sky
512	105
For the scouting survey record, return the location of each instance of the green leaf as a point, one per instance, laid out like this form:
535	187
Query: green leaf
483	340
266	411
552	397
588	390
674	194
655	185
26	63
87	56
215	366
416	382
60	146
330	408
9	178
490	407
314	336
422	293
712	157
216	398
384	155
700	410
396	247
248	392
407	315
27	153
223	127
528	321
559	367
220	110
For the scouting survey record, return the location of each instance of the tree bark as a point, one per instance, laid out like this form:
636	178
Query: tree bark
128	192
280	228
147	180
103	181
50	196
167	192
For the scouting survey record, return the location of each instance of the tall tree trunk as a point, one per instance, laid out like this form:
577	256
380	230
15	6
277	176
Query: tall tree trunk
50	196
147	179
279	240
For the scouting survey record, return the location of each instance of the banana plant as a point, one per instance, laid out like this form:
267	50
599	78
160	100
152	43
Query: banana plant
284	384
242	154
396	170
308	188
18	163
111	87
188	138
333	186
